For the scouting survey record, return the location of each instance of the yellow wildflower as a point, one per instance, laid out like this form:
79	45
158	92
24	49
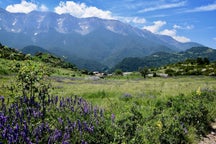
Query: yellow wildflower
159	124
198	92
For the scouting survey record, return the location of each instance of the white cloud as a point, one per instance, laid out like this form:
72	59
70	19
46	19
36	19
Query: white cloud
173	34
43	8
80	10
25	7
155	27
135	20
210	7
138	20
188	27
164	6
214	39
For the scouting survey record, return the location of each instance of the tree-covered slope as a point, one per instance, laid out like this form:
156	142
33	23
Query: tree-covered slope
7	53
163	58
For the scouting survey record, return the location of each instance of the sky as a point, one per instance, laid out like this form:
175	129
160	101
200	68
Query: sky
184	20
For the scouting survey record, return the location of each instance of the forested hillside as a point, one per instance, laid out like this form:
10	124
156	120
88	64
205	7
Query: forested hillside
162	58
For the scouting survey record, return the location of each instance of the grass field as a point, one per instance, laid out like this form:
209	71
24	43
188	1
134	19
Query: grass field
118	95
115	88
127	98
102	91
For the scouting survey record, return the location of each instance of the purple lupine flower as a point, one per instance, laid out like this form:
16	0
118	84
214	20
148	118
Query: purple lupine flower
57	135
35	114
95	112
2	99
79	125
16	130
32	100
28	141
65	142
83	142
85	109
37	139
60	121
47	127
4	134
85	126
74	125
3	119
75	99
56	99
66	136
68	101
25	98
72	108
61	103
92	129
113	118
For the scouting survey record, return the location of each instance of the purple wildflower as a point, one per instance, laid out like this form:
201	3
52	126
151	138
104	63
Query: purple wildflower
113	117
60	121
2	99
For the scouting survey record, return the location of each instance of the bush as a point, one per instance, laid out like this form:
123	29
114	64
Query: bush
170	72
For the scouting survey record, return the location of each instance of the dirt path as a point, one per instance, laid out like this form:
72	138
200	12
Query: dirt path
210	138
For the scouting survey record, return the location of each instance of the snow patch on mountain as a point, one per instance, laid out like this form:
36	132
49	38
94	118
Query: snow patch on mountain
60	28
84	28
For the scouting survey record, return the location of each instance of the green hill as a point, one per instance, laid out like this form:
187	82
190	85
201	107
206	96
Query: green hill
163	58
10	57
33	50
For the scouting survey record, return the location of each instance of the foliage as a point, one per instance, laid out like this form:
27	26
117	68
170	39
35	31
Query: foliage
53	60
179	119
162	58
11	54
143	71
197	66
37	117
32	78
118	72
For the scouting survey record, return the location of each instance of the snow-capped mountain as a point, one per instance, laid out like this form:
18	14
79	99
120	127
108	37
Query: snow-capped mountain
104	41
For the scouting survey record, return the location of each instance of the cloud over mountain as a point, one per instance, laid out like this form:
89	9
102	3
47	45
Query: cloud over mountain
81	10
25	7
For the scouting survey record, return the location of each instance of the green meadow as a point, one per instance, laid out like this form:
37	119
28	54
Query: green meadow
41	104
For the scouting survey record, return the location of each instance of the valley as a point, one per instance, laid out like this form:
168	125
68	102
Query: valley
100	72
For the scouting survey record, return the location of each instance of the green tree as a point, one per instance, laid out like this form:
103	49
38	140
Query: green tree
143	71
170	72
206	61
200	61
118	72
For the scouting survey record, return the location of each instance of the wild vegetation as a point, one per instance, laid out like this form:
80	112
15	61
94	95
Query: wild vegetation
197	66
41	102
159	59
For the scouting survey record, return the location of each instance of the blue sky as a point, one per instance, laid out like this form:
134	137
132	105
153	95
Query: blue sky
184	20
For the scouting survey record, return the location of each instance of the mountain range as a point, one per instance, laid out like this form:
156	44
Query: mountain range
90	43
